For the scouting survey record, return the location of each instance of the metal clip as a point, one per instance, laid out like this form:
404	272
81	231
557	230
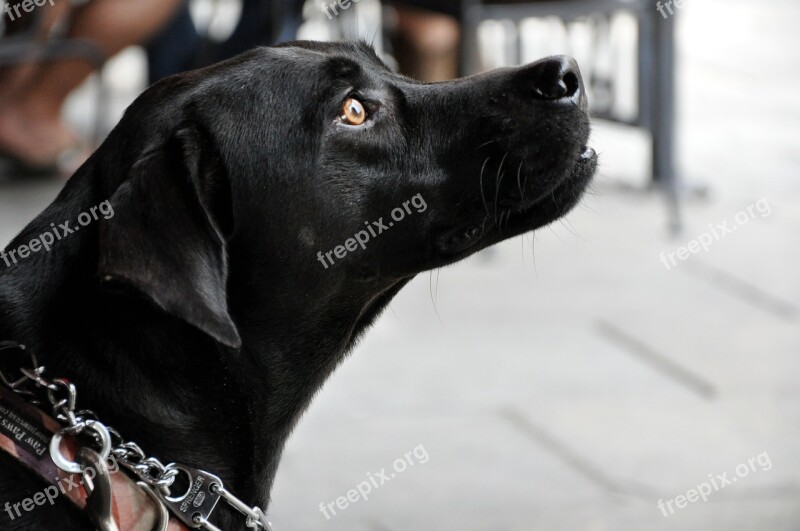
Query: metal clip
99	503
163	515
195	507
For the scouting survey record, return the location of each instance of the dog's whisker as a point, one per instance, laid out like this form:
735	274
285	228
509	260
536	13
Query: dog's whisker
525	183
8	345
574	230
555	233
569	228
533	254
483	195
522	249
433	301
436	290
553	195
485	144
498	180
519	184
485	219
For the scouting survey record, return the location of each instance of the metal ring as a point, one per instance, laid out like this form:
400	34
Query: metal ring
178	499
71	466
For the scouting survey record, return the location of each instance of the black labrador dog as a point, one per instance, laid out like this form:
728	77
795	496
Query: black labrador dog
234	274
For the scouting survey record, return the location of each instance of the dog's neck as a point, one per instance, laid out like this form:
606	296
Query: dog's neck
167	386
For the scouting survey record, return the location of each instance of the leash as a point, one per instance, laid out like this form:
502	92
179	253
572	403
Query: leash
75	448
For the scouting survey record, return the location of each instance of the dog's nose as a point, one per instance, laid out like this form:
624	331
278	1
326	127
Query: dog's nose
558	78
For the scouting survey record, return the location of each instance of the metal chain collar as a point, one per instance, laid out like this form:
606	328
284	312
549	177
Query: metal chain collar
193	508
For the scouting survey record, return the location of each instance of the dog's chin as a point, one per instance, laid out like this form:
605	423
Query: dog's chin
471	237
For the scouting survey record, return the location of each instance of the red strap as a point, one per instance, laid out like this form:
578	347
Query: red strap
25	434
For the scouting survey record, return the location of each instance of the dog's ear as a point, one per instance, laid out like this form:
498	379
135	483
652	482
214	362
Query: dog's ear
167	236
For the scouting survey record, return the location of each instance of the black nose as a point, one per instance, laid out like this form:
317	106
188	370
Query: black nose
558	78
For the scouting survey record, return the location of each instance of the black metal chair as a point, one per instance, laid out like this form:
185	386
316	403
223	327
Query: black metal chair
656	65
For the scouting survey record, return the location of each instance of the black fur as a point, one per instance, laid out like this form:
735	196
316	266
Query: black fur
199	320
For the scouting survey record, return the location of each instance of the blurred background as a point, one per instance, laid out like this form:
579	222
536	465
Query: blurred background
581	378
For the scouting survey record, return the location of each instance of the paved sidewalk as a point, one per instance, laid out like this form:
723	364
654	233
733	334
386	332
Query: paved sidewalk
576	393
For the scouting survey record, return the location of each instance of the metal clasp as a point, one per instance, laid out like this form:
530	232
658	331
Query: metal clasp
71	466
99	502
195	507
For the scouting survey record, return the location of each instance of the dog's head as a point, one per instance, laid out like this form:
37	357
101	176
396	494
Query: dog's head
314	165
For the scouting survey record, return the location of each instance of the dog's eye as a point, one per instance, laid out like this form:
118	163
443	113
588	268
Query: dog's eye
353	112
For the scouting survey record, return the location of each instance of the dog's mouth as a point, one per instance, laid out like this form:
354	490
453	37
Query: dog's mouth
522	216
464	237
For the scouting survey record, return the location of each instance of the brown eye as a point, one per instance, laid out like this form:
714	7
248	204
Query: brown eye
353	113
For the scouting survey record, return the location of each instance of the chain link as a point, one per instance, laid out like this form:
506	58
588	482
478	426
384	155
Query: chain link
61	396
